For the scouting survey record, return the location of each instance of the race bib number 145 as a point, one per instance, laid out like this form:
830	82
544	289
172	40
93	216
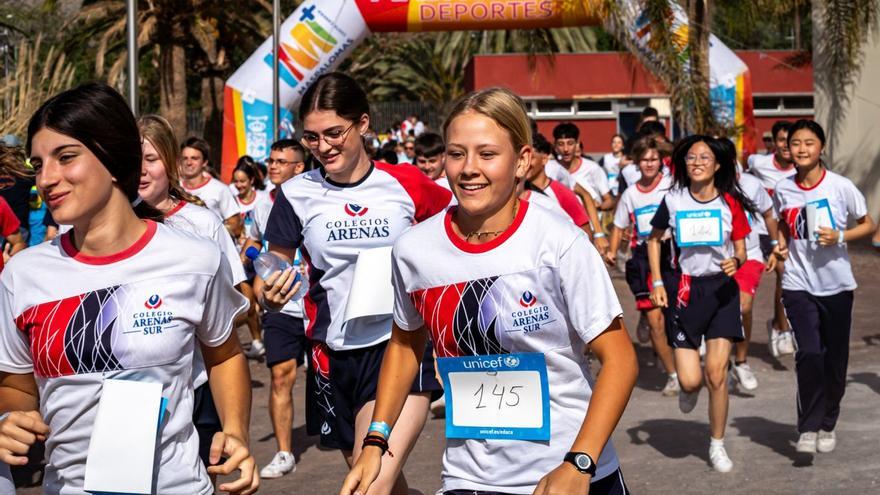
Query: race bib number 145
501	396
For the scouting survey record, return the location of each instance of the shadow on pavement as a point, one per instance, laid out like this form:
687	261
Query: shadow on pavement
673	438
651	375
778	437
872	339
871	380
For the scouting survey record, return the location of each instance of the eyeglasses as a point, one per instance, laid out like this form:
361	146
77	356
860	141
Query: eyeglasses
333	138
282	162
409	147
691	159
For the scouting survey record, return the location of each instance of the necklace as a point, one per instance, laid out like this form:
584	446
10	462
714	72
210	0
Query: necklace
479	234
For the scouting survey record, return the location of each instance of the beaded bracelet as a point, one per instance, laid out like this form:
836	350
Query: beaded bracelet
377	441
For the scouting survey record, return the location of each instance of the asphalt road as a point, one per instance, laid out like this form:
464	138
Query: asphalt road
662	450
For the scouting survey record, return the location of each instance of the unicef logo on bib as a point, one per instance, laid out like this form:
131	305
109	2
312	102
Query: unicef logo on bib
511	361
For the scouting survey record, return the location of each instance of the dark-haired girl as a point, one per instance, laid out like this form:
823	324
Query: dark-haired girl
707	213
817	286
333	215
78	331
249	193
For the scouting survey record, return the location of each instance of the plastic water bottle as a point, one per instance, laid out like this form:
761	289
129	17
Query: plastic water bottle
267	263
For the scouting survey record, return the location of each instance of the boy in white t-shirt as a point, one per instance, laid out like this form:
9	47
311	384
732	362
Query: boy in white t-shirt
196	180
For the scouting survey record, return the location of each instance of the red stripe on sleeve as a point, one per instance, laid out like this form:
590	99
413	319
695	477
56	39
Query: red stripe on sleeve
741	228
570	203
9	223
428	198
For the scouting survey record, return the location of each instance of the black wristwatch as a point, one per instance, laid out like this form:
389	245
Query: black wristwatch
582	462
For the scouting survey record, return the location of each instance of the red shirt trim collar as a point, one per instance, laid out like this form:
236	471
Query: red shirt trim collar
71	250
494	243
656	183
814	186
178	207
203	184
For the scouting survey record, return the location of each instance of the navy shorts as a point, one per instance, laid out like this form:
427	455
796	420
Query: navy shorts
705	307
638	273
339	383
285	338
205	419
766	247
612	484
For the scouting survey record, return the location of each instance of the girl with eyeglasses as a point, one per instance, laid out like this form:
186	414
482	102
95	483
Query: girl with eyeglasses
706	211
333	215
816	206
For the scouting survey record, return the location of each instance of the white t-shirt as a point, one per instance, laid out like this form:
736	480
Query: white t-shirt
247	209
443	182
765	168
611	164
819	270
555	171
754	190
630	174
332	223
255	231
722	217
637	206
544	201
468	294
217	197
204	222
133	315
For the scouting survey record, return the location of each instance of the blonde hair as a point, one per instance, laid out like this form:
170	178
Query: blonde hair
161	135
501	105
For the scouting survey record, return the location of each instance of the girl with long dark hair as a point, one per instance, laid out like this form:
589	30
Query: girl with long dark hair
134	300
706	211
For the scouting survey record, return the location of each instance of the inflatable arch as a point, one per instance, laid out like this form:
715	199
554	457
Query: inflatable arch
321	33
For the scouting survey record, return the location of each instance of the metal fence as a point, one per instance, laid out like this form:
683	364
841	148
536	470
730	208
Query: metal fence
386	113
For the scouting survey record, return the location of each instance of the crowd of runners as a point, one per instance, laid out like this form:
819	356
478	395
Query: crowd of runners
490	251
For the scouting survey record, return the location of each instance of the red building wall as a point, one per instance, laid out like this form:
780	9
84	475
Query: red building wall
618	75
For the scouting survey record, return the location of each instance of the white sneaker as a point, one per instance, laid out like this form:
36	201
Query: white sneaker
672	387
773	337
643	330
257	350
807	442
826	441
719	459
786	343
281	464
687	401
743	374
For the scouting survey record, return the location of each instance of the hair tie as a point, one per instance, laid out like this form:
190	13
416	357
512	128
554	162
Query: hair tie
137	201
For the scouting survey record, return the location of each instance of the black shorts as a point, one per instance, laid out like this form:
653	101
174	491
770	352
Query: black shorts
705	307
285	338
339	383
638	273
612	484
206	420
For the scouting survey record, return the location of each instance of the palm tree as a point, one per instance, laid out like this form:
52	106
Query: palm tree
179	35
39	73
431	66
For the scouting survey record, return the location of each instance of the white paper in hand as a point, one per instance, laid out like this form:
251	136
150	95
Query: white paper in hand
123	443
371	291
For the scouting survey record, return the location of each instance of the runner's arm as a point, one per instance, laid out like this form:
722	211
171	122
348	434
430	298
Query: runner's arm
399	368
